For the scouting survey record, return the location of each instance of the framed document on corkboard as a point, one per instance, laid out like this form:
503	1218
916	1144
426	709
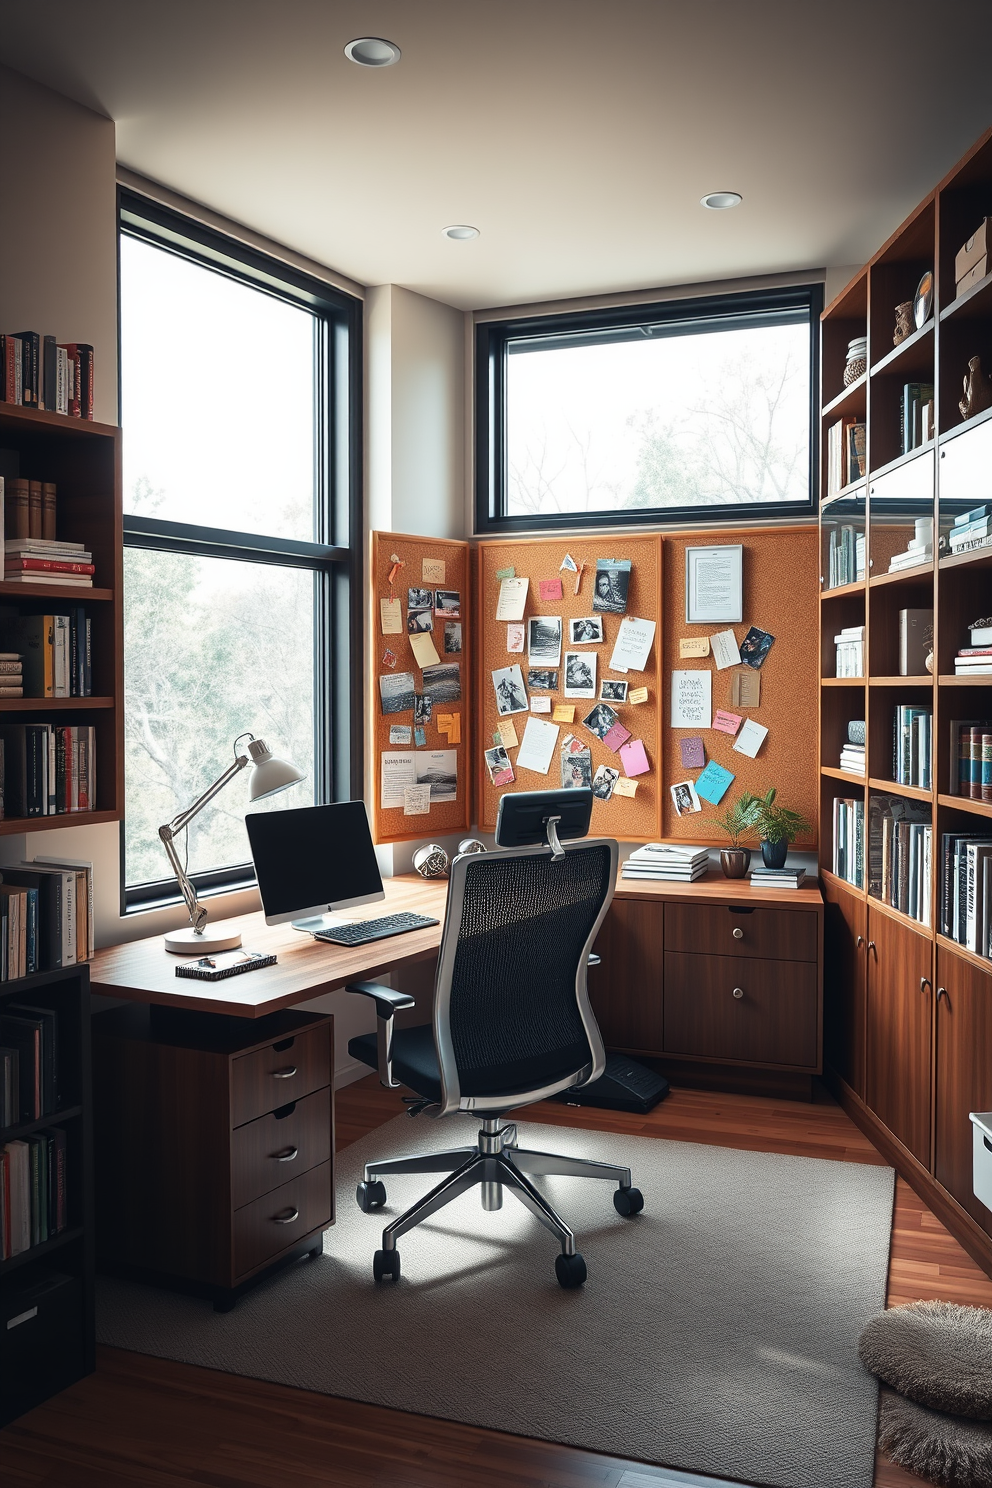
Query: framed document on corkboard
419	688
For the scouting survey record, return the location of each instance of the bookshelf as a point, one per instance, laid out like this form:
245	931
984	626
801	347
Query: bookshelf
906	1006
83	458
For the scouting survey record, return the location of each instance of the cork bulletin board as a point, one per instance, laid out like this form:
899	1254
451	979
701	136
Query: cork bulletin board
391	824
630	818
780	596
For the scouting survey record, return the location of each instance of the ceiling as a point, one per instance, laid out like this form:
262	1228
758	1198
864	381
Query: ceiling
577	135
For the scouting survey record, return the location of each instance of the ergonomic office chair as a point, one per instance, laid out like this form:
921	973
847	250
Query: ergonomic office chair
512	1024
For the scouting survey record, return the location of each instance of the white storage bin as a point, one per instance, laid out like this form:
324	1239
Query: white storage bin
982	1170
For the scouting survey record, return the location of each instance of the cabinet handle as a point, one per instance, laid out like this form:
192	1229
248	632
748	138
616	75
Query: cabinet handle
942	992
737	933
738	993
284	1074
873	947
286	1217
925	982
287	1154
859	942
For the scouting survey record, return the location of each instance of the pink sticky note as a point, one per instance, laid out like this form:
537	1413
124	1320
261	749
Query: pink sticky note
617	735
550	588
634	759
693	754
727	723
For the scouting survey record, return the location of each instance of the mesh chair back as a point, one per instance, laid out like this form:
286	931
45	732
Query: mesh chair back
512	1013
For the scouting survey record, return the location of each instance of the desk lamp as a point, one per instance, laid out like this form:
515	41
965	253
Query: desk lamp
270	776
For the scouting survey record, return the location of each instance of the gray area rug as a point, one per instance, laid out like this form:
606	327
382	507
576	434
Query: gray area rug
717	1333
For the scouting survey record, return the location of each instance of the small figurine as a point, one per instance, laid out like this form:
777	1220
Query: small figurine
904	322
977	390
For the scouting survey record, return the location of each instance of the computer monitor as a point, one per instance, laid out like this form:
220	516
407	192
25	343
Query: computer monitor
524	815
311	860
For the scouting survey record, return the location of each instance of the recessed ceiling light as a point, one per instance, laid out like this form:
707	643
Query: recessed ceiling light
460	231
720	201
372	51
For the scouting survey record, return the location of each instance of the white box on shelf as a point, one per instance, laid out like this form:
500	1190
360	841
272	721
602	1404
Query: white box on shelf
981	1123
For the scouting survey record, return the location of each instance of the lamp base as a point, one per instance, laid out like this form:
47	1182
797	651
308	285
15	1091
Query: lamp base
214	938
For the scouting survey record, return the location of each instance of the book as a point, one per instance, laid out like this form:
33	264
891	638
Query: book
915	641
224	964
13	564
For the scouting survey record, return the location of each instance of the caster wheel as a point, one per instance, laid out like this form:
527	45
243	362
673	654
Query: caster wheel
386	1263
570	1270
369	1196
628	1201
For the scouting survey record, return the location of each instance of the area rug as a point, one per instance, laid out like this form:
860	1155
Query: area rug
717	1332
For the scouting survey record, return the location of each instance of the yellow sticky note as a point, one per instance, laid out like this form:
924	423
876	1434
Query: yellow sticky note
391	616
639	695
452	727
564	713
423	649
625	787
433	570
694	646
508	734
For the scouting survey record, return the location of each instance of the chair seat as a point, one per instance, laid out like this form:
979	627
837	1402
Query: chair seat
414	1058
415	1065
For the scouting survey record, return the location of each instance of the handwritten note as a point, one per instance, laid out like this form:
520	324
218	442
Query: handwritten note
550	589
691	699
727	723
433	570
424	650
637	695
564	713
416	800
750	738
725	652
507	734
512	599
694	646
712	785
540	705
391	616
625	787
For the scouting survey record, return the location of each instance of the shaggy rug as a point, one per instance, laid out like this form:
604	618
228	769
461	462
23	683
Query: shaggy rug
937	1353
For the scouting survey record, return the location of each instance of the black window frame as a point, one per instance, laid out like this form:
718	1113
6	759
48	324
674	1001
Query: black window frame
335	558
671	317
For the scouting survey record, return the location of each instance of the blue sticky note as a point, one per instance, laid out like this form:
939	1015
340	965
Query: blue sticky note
713	784
420	738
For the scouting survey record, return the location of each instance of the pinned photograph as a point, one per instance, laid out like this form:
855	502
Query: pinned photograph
419	621
684	798
397	692
613	692
498	765
585	632
603	782
755	647
576	769
609	591
448	603
580	674
542	679
600	720
443	683
438	768
452	638
423	708
544	639
419	599
508	684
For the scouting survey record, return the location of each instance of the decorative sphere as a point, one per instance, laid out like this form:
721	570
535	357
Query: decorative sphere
431	861
471	845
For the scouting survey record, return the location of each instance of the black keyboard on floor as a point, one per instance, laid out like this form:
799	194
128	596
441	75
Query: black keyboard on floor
363	931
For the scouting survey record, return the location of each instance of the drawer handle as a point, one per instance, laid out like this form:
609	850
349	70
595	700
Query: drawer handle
287	1154
286	1217
737	933
738	993
284	1074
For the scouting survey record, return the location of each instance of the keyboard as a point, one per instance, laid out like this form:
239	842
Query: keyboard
362	931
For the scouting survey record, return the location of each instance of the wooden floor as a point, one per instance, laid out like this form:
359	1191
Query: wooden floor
149	1423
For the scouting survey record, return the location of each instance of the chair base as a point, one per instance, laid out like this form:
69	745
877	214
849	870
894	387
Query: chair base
494	1164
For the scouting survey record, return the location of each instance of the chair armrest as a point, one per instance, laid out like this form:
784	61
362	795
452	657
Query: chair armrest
387	1000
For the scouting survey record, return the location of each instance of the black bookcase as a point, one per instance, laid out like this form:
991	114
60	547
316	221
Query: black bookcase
47	1333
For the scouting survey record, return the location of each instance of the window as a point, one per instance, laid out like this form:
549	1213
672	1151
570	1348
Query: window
668	412
239	406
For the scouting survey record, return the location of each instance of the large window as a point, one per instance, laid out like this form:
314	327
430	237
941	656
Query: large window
239	410
667	412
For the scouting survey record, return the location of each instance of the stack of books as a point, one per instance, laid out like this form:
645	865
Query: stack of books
849	835
11	674
852	758
966	890
42	560
973	661
675	862
918	550
777	878
37	371
972	529
971	758
846	556
911	745
53	654
850	651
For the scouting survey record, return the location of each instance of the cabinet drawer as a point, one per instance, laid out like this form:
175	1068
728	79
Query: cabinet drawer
279	1219
775	934
272	1149
286	1071
774	1022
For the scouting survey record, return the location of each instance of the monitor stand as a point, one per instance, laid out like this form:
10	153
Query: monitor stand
313	923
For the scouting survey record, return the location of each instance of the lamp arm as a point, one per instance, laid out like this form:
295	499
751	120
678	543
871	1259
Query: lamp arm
169	832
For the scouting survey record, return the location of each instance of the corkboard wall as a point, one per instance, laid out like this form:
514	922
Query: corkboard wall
444	816
634	819
781	595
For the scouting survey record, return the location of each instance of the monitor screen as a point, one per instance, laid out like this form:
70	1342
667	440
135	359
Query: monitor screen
522	816
313	859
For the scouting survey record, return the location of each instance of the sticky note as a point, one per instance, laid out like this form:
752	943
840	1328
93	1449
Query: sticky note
507	734
617	735
424	650
638	695
550	589
625	787
712	785
433	571
727	723
694	646
564	713
693	754
750	738
634	758
506	573
540	705
416	800
391	616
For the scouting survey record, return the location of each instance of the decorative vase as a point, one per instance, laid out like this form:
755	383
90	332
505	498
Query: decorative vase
857	360
735	861
904	322
774	854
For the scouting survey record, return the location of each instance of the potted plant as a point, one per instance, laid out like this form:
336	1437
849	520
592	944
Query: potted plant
737	819
777	826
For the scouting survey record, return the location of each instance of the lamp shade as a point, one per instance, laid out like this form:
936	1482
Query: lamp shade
271	774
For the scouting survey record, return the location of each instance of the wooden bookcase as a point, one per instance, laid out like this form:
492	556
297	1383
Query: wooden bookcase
83	458
908	1011
47	1327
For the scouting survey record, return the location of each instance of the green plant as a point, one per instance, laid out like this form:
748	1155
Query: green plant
776	823
739	818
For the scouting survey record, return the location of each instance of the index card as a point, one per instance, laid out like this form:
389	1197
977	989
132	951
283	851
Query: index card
507	734
540	705
538	746
691	699
424	649
512	599
391	616
416	800
694	646
399	733
433	571
750	738
633	645
637	695
725	652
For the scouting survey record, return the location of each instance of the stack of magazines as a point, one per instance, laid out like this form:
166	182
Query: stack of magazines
675	861
777	878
